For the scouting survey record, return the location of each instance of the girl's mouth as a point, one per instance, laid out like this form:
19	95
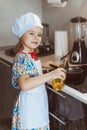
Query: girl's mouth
35	42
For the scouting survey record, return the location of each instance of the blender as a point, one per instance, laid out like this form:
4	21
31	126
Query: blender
78	54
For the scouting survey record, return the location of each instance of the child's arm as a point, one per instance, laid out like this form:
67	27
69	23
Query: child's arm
26	83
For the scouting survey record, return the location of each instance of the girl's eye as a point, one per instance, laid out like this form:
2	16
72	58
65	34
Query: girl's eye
31	33
39	35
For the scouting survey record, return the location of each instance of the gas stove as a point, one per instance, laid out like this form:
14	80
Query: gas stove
42	52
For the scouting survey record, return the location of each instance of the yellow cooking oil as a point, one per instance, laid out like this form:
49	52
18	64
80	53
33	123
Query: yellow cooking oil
57	84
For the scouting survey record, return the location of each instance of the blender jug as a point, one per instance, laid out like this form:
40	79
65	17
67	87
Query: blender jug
78	53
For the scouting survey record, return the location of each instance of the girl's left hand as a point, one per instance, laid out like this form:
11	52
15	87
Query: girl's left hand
47	64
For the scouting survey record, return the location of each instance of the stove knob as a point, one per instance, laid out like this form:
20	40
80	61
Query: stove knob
75	57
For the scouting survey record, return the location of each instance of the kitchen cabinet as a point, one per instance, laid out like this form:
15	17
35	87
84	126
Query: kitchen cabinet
57	121
65	111
7	93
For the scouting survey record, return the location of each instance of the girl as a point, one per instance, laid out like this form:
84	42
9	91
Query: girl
31	108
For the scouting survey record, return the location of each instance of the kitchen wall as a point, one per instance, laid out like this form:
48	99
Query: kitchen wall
59	18
9	10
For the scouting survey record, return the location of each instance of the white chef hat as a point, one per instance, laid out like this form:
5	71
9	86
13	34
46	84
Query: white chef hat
25	22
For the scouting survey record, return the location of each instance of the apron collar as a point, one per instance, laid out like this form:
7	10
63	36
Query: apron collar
33	55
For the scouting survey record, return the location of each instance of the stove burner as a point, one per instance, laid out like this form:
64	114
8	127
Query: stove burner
10	52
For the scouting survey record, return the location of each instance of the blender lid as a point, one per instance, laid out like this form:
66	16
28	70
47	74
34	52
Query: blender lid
78	19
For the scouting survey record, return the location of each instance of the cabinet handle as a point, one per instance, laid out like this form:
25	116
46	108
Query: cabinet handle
2	61
57	118
58	93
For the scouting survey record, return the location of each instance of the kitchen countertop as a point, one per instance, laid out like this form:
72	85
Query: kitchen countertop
67	89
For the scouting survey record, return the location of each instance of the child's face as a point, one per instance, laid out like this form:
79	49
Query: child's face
32	38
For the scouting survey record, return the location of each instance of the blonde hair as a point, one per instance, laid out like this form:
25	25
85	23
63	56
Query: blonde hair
20	47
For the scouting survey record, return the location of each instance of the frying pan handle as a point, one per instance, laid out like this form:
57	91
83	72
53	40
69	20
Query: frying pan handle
66	55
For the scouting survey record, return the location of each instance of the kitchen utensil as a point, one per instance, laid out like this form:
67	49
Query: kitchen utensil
74	71
74	75
78	54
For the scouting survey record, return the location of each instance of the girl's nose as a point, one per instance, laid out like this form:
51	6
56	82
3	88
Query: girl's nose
36	37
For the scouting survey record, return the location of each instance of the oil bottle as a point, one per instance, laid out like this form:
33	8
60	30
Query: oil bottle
58	83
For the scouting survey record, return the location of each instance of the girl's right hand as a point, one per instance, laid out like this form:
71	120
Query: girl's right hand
59	73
